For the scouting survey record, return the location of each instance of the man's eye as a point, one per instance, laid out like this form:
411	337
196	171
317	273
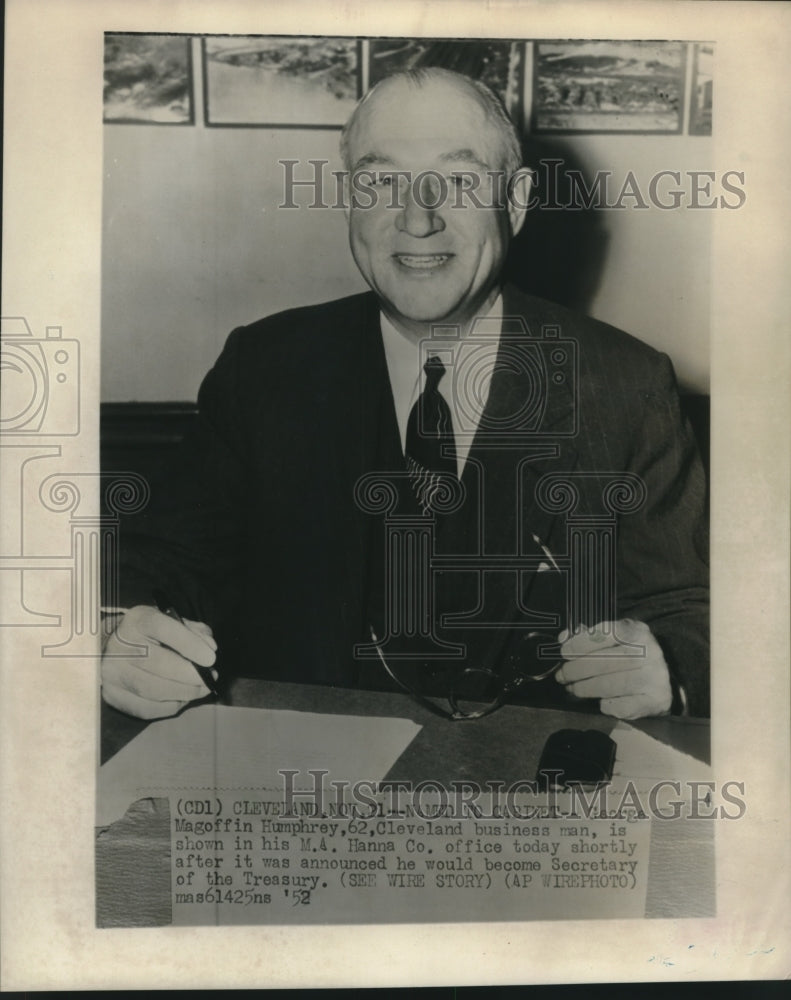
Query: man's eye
456	180
384	180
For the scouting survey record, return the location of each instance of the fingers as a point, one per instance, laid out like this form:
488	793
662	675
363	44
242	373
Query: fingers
604	635
593	652
144	623
618	660
608	685
631	680
162	680
161	676
203	630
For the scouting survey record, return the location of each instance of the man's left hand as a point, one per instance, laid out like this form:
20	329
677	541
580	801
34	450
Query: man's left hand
622	664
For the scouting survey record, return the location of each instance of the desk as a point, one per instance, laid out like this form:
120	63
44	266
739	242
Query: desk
132	861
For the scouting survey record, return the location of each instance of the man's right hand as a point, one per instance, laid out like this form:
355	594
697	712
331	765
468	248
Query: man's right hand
161	679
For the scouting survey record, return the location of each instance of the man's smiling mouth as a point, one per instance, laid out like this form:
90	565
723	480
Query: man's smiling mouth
423	261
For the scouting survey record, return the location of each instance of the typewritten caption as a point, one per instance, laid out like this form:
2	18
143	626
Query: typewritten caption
241	858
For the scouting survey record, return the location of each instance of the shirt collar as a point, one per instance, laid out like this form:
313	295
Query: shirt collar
401	352
406	376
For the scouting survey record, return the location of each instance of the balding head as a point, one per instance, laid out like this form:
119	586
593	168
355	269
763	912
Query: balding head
440	84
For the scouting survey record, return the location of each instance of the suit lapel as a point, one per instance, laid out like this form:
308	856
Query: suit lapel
528	421
526	431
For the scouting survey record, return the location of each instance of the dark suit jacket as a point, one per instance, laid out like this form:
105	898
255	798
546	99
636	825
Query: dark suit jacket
257	532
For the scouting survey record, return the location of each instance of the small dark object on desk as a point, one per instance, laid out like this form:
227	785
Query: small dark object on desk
576	756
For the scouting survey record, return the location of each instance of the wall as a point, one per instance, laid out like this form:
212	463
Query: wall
194	244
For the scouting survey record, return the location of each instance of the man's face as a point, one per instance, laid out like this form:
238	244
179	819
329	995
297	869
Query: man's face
428	263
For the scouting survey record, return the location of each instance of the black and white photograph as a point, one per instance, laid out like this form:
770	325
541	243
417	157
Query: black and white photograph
495	62
456	518
618	86
282	82
373	514
147	78
703	90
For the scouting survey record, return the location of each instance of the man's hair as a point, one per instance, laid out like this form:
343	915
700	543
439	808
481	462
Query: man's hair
492	105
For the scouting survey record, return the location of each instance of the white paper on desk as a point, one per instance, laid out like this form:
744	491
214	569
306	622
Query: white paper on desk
214	747
644	760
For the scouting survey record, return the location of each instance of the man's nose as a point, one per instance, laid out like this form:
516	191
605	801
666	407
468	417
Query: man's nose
421	214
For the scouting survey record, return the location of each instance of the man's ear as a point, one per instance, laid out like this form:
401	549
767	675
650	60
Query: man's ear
518	194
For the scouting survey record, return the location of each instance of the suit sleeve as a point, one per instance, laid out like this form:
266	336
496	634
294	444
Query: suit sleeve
663	548
188	540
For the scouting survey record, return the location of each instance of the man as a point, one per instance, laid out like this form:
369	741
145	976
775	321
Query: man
264	530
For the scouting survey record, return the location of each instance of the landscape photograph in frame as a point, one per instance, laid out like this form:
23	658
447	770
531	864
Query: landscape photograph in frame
498	64
280	82
147	79
602	86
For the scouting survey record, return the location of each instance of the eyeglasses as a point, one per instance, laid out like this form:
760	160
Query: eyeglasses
476	692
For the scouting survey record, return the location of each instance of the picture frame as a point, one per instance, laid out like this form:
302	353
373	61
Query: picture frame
499	63
148	79
259	80
618	87
700	112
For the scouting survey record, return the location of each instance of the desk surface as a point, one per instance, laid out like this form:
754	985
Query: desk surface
503	746
506	744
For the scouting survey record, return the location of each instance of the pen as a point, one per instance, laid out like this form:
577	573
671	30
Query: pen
166	607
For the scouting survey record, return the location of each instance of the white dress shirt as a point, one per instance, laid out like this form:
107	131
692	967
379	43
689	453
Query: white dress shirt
464	386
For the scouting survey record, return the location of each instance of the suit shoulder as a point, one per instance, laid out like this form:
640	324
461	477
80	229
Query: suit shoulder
599	345
309	326
308	343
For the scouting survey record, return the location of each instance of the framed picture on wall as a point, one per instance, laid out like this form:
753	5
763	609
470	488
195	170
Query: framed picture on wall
148	79
702	86
280	82
603	86
497	63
